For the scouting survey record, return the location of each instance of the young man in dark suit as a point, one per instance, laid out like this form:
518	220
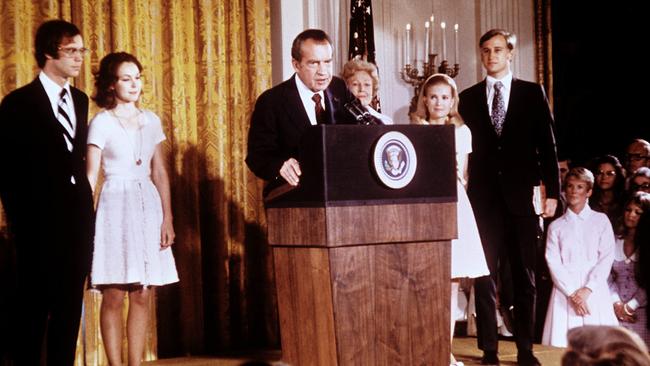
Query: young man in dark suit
513	155
311	96
47	198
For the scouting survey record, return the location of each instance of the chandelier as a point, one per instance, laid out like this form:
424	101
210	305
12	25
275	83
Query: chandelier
414	76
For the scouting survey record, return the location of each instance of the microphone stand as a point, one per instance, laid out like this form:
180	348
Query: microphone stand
360	113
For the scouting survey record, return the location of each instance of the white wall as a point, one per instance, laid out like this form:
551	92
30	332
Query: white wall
475	17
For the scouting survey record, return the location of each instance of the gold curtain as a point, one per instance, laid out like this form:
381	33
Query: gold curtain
205	62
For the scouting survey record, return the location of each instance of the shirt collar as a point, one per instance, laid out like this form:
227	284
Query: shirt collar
582	215
53	89
506	81
305	92
619	252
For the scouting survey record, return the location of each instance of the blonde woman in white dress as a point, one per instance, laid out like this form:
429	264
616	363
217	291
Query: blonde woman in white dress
438	105
133	230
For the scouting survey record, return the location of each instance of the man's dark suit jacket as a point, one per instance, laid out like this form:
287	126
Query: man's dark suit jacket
51	219
279	120
41	203
523	157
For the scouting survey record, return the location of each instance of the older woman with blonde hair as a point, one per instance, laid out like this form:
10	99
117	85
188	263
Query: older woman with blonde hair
362	79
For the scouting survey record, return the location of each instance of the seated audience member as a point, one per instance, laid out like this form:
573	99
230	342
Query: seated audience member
637	155
642	240
362	79
609	189
640	181
579	253
629	300
594	345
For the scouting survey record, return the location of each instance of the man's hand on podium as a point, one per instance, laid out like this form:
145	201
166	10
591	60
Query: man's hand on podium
290	171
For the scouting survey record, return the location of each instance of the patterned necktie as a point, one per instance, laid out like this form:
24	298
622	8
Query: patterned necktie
64	118
498	108
320	112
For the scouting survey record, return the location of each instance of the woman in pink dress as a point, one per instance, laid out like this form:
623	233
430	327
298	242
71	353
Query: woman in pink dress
628	298
579	253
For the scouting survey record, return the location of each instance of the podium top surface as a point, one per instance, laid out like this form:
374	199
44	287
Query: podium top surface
353	165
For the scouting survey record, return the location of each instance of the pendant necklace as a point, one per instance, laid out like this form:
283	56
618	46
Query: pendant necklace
138	158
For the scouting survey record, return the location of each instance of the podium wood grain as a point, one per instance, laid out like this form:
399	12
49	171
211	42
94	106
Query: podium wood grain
362	270
361	286
350	225
364	305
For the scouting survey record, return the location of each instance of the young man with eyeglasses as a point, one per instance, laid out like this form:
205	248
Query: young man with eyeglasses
47	198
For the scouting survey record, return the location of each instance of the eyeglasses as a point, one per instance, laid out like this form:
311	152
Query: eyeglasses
640	187
609	173
636	157
72	52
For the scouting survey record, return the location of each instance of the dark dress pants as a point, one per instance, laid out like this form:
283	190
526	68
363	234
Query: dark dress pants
505	235
48	304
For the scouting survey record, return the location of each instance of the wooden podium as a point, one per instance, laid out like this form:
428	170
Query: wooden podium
362	270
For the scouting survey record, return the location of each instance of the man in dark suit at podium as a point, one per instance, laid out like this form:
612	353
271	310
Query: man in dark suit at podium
513	155
281	115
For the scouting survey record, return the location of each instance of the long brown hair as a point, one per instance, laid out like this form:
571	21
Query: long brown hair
106	77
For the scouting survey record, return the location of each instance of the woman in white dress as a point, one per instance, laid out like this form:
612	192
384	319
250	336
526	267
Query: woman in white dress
579	253
133	231
438	105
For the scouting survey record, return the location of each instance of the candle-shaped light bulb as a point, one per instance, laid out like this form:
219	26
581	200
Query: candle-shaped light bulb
407	46
432	38
456	59
444	40
426	41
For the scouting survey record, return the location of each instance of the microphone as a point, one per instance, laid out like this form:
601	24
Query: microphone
361	113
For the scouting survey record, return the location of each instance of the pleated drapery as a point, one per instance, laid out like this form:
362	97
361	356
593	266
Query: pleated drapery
205	63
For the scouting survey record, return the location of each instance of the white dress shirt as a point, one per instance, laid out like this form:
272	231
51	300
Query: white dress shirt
507	84
53	91
305	95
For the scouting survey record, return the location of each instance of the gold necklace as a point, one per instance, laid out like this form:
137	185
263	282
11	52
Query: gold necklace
138	159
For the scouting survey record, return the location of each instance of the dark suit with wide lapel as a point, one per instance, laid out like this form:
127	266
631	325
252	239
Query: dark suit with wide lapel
51	219
279	120
503	171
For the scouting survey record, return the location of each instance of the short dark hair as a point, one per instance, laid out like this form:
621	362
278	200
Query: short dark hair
48	39
511	38
106	77
316	34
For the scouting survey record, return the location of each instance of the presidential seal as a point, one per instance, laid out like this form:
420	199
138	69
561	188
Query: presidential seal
395	160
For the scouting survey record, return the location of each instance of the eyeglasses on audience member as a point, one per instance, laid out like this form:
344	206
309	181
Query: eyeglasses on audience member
609	173
640	187
636	157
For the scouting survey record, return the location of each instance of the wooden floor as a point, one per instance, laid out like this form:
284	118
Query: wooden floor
464	348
